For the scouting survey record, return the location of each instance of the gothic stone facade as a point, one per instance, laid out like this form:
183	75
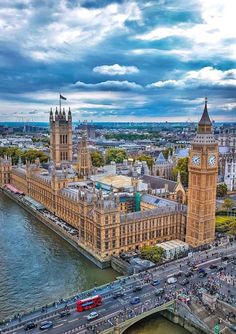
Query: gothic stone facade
203	172
103	228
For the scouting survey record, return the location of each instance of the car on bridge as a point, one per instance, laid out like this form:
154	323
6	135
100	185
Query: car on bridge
202	274
46	325
92	315
118	294
159	292
221	268
171	280
189	274
30	325
184	282
155	282
65	313
135	300
137	288
213	266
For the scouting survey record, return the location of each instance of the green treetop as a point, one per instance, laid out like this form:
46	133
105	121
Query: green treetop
97	159
115	154
182	167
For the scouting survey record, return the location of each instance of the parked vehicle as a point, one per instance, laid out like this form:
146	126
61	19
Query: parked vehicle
30	326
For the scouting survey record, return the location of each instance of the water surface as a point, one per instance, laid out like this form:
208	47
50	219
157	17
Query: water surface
36	265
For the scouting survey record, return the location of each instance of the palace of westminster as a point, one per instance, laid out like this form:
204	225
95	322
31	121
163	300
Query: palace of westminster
112	218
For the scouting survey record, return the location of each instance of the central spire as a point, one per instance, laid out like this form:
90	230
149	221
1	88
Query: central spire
205	125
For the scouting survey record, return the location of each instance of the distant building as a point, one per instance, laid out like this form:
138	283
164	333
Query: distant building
166	188
230	174
174	248
163	167
227	138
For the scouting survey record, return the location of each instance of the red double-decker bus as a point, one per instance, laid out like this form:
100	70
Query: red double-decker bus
88	303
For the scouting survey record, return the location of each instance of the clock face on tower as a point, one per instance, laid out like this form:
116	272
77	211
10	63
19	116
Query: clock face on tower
196	160
212	160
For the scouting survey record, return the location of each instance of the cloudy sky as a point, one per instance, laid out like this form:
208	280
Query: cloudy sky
114	60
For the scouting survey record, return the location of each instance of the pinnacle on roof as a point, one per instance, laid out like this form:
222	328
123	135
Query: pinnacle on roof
160	158
205	119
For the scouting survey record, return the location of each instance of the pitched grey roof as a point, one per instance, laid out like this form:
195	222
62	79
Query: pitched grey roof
157	182
157	201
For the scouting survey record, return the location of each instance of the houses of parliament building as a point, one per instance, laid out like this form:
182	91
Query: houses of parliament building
106	225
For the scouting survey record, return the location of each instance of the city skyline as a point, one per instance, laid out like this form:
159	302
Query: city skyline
118	60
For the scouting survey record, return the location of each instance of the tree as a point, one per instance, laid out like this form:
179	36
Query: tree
97	159
221	190
152	253
182	167
15	153
232	227
115	154
146	158
228	204
32	154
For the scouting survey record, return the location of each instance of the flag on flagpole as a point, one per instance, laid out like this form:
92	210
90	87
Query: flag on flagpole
62	97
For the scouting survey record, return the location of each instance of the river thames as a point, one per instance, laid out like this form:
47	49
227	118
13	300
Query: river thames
38	267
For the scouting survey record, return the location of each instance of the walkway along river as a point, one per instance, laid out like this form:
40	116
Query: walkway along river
38	267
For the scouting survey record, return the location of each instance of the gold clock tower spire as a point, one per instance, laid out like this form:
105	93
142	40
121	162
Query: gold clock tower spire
203	172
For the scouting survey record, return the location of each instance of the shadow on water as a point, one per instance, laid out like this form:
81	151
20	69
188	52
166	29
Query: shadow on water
36	265
155	324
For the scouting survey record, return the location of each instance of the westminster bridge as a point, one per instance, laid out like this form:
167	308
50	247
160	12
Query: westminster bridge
179	304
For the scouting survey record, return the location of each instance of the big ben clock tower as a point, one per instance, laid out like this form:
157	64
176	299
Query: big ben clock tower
203	171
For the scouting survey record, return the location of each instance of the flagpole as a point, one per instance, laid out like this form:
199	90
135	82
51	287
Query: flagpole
60	102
